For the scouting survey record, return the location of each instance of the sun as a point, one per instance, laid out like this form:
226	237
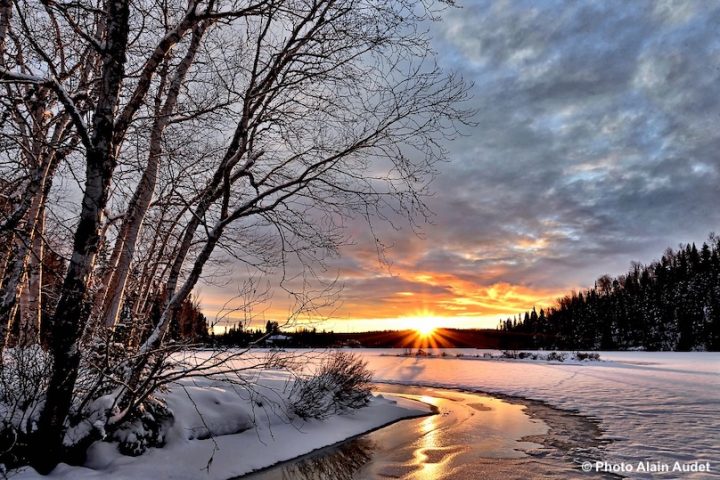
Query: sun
425	330
424	326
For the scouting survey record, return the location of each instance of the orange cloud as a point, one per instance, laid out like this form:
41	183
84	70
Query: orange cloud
470	294
451	301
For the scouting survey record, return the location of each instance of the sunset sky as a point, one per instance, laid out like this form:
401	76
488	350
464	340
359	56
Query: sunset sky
596	143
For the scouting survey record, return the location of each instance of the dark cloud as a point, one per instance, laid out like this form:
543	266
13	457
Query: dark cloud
594	133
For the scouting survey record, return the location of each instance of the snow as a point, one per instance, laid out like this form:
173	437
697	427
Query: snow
250	430
656	407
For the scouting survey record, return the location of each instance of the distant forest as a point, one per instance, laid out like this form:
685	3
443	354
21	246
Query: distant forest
670	304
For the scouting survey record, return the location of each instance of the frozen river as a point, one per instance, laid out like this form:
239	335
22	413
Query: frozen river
471	436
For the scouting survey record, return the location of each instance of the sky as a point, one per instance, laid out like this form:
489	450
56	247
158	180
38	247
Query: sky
595	143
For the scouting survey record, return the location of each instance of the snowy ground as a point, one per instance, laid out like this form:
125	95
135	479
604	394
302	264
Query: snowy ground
656	407
266	434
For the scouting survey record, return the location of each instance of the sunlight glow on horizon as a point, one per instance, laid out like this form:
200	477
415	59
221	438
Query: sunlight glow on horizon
422	320
407	300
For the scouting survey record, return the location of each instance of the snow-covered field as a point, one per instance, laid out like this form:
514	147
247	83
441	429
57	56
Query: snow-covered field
656	407
222	431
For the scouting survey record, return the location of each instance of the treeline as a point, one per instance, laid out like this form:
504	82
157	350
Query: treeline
239	335
671	304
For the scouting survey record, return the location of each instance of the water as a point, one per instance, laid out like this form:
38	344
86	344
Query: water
472	437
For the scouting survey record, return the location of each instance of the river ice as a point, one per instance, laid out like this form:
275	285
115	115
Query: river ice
657	407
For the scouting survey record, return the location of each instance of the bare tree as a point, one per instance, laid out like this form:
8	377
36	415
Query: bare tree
205	128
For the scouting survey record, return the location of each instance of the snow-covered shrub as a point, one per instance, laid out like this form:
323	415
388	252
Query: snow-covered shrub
587	356
23	381
146	429
105	410
556	357
342	382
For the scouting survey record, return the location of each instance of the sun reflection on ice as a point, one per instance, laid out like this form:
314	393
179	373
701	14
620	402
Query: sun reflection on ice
429	441
432	459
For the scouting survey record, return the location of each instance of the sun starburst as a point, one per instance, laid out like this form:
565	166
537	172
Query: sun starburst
425	326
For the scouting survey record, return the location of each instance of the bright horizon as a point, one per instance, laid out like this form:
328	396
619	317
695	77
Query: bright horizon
416	318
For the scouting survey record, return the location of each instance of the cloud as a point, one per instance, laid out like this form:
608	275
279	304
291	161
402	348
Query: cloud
594	130
596	144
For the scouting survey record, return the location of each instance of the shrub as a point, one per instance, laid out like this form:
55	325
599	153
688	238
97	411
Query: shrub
23	381
146	429
556	357
342	382
587	356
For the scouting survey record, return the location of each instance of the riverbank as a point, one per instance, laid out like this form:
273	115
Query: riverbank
655	408
221	431
473	436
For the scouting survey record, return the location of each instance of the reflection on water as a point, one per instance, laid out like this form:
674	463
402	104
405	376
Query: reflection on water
472	436
430	455
339	463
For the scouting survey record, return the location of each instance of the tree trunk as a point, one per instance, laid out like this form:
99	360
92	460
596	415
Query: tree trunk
13	285
31	298
146	187
7	240
24	266
175	299
73	310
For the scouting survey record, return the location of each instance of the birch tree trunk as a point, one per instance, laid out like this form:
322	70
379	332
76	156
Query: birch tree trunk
72	311
25	264
31	298
12	288
140	202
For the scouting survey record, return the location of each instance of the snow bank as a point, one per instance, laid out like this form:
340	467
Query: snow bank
222	430
655	407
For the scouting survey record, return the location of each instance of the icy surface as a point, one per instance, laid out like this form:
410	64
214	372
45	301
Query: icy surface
656	407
